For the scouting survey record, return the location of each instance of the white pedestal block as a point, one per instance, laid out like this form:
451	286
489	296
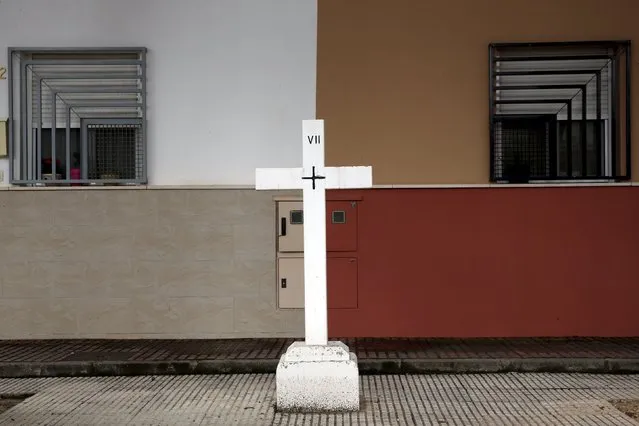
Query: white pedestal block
317	379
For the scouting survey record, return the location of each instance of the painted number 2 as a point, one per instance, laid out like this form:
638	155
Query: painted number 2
3	73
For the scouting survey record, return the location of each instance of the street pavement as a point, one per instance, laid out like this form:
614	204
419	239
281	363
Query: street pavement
476	399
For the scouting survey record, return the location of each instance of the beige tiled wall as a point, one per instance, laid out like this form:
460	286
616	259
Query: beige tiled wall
139	263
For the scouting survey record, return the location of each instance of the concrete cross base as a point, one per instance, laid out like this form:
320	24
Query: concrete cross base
317	379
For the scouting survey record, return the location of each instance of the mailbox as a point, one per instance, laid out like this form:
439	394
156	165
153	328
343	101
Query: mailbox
341	226
341	247
341	282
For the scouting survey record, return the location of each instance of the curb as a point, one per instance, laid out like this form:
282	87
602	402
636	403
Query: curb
135	368
366	367
500	365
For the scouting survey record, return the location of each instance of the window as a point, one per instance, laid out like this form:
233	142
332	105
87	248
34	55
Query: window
78	116
560	111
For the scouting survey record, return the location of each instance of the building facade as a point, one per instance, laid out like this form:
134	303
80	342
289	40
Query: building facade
141	220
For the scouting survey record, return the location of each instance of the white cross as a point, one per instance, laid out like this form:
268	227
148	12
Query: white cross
314	178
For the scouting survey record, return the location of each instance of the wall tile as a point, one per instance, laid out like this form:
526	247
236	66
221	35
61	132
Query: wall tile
255	240
75	208
25	318
255	315
196	315
132	208
155	242
207	241
22	280
143	263
123	278
259	276
192	279
23	208
38	243
223	206
104	315
69	279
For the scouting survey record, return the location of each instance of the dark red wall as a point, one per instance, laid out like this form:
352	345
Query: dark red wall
494	262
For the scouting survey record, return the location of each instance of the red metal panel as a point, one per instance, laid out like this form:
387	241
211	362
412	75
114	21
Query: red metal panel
342	282
486	262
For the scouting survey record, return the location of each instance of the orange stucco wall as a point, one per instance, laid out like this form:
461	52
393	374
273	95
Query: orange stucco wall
495	262
403	84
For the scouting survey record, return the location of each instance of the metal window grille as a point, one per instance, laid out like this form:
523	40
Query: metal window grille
77	116
525	144
560	111
115	151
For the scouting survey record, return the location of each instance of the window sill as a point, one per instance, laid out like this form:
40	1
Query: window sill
508	185
252	187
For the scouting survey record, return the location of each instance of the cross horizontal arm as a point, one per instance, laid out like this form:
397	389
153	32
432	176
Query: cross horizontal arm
273	178
349	177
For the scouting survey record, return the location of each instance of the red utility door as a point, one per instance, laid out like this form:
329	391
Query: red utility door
341	226
341	276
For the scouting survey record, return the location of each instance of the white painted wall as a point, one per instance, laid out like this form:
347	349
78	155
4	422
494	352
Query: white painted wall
230	81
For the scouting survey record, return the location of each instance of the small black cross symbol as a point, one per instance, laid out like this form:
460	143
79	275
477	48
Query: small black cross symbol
313	177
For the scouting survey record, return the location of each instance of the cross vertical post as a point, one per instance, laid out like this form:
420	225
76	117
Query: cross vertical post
314	205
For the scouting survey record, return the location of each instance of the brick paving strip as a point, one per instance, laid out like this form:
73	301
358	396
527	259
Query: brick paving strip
60	358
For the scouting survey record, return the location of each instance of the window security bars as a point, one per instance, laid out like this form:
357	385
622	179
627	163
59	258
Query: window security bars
77	116
560	111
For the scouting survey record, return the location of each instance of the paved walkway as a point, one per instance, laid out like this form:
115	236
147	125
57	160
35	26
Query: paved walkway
52	358
507	399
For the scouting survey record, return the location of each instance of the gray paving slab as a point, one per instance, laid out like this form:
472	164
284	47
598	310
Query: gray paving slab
487	399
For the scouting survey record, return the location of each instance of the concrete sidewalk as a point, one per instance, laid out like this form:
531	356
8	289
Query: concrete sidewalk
55	358
473	400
